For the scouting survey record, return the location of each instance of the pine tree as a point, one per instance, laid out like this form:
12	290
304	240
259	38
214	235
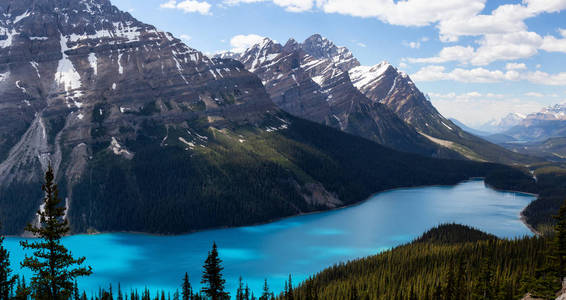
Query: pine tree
6	279
290	295
22	291
212	280
54	266
240	290
247	292
187	290
266	293
120	296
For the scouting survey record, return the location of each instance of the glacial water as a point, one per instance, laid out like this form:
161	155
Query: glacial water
300	246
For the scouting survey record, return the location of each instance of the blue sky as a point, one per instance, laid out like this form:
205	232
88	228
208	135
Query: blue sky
477	59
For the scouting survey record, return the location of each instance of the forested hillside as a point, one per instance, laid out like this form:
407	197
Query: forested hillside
247	175
440	265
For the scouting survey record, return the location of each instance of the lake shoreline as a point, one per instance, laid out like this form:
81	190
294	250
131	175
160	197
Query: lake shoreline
522	217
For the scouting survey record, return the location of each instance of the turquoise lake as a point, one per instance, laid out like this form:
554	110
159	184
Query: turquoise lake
300	246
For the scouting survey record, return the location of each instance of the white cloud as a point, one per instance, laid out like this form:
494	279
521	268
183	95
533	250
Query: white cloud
186	37
189	6
544	78
361	45
482	75
475	109
289	5
553	44
242	42
406	13
454	53
477	75
403	65
493	47
295	5
534	94
515	66
413	45
169	4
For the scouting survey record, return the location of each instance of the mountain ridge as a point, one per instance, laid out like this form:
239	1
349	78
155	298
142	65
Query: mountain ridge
386	95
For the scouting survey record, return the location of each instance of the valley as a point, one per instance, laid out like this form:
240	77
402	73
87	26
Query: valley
311	242
136	151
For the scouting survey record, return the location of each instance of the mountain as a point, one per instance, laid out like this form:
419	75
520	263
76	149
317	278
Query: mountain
149	135
311	80
385	84
322	82
550	122
497	126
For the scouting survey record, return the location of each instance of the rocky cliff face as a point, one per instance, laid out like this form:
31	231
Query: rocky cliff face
315	80
325	83
82	77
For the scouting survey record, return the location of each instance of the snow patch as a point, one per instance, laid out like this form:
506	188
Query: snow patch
118	149
67	76
22	16
362	76
35	65
93	62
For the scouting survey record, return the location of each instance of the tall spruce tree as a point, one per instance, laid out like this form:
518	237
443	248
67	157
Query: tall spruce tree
212	279
54	267
265	293
240	290
187	290
7	280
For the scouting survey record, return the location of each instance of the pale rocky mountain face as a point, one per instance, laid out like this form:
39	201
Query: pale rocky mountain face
384	84
319	81
503	124
81	77
550	122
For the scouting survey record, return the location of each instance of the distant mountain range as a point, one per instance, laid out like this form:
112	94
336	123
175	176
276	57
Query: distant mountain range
324	83
537	127
147	134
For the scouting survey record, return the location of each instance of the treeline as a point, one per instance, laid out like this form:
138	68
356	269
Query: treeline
439	266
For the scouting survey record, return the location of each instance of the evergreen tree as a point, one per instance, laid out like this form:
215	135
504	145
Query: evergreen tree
247	292
120	296
6	279
266	293
22	291
54	266
212	276
240	290
290	293
187	290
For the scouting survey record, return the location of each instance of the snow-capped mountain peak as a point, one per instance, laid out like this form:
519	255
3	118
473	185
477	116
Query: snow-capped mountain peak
363	76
